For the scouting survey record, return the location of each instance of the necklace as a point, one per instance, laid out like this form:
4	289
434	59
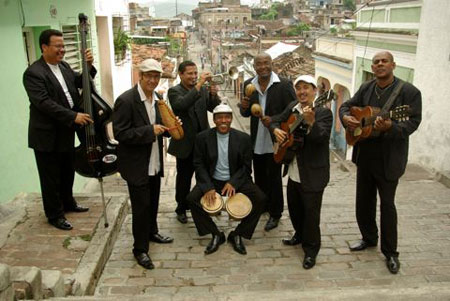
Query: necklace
379	94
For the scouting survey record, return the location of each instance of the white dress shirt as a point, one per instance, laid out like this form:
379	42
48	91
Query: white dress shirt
57	72
154	165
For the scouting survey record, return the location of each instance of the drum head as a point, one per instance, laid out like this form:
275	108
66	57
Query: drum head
215	207
238	206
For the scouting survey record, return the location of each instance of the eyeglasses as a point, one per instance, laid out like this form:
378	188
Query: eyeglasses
58	46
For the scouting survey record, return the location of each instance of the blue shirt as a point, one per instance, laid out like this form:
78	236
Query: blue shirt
222	171
263	143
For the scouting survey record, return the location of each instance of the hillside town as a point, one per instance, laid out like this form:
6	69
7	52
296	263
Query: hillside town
335	48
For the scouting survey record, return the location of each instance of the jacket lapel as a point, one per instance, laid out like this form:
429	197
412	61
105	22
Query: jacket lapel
140	106
55	83
231	152
212	148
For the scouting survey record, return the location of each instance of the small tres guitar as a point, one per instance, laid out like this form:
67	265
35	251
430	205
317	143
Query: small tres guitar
367	115
285	152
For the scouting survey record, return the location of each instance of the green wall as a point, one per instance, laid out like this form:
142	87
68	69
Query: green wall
405	15
407	74
387	46
377	17
17	163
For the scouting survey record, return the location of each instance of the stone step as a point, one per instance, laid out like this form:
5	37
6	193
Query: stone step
6	290
427	292
26	282
52	284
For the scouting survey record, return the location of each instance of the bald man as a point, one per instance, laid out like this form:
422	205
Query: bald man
274	94
381	159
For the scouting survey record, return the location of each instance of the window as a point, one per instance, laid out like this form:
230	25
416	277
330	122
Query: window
72	40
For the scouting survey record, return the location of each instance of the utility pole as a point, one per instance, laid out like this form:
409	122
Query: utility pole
176	7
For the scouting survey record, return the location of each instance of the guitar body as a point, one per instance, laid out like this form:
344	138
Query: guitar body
283	149
361	114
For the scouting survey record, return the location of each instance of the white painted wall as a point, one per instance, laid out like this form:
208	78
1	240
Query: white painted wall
430	145
120	75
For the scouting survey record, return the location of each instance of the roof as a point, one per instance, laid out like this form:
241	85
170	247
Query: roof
279	49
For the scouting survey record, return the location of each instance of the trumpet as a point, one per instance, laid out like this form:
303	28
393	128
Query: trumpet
218	79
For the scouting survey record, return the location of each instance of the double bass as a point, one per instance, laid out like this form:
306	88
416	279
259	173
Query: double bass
96	156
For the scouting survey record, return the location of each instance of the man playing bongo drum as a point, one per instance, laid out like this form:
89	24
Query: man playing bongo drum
222	160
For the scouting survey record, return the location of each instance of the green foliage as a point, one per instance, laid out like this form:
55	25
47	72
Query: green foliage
86	237
272	14
121	41
298	29
350	4
66	242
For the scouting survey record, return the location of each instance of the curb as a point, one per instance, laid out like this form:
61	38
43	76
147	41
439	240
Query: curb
90	267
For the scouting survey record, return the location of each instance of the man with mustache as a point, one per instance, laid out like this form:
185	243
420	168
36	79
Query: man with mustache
55	113
190	100
309	171
381	159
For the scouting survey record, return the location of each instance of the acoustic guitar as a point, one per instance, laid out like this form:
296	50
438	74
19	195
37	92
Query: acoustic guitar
367	116
285	152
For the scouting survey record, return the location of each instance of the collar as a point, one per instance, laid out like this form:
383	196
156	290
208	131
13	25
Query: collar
273	79
297	108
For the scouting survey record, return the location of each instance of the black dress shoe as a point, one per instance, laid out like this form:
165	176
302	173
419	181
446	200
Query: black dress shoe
309	262
238	245
144	260
293	241
182	218
361	245
77	208
393	264
60	223
158	238
272	223
215	242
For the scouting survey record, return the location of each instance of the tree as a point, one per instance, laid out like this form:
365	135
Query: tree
350	4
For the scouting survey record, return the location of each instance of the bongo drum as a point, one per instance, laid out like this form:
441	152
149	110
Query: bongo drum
214	208
238	206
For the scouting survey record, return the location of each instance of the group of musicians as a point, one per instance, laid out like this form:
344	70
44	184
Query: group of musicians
221	157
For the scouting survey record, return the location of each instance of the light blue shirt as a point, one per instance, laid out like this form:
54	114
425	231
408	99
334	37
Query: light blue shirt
263	143
222	171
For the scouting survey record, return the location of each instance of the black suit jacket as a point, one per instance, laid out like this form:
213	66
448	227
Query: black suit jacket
313	159
190	106
51	126
133	130
206	155
395	142
279	95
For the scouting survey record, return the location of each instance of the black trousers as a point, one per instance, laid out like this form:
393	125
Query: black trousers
370	178
205	224
304	211
268	179
185	171
144	208
56	175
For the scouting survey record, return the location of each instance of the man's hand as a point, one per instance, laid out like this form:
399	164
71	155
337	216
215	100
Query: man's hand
89	57
309	115
210	196
204	77
266	120
245	103
351	122
228	190
280	135
382	125
83	119
213	90
159	129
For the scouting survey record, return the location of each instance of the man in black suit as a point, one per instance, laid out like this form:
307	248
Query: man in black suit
381	159
273	93
52	88
309	171
190	100
137	127
222	163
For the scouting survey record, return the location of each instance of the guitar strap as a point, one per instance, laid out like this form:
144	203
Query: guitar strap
393	96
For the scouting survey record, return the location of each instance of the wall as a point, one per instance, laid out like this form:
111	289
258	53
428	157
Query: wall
430	145
17	163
